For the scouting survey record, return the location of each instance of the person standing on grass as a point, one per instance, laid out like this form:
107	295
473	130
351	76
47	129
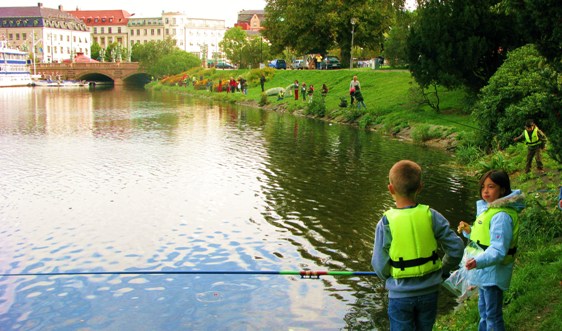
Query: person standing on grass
496	231
405	256
296	89
352	88
359	98
535	140
262	82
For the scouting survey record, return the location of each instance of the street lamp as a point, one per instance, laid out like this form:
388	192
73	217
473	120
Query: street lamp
351	50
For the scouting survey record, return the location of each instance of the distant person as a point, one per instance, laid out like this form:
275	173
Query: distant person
324	91
535	140
303	91
296	89
310	92
318	61
262	82
359	98
352	87
405	255
496	231
281	95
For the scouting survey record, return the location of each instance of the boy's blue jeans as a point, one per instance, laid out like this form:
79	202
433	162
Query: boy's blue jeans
490	302
413	313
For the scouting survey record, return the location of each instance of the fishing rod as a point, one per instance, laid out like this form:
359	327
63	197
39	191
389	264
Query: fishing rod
310	274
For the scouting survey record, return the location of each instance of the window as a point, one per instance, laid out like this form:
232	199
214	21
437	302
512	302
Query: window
109	30
152	32
146	32
138	32
119	29
17	36
24	36
158	31
95	30
11	36
102	29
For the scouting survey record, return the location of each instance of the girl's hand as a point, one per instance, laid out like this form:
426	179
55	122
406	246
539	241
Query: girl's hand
470	264
463	226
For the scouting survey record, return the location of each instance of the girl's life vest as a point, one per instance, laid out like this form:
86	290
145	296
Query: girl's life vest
413	250
480	232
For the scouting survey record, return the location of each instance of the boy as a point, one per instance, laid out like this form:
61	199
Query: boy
535	140
405	252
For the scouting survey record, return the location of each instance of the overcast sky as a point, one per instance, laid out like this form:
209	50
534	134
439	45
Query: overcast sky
217	9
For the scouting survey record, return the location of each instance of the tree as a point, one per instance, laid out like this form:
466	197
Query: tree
147	54
521	89
539	22
320	25
232	44
395	47
173	63
95	51
459	43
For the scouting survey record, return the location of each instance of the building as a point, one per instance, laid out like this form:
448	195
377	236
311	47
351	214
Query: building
250	20
49	35
145	29
106	26
199	36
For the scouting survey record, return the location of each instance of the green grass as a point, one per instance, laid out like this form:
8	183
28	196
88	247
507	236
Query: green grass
391	102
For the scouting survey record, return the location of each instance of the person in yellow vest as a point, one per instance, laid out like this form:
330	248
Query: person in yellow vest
536	141
496	231
405	252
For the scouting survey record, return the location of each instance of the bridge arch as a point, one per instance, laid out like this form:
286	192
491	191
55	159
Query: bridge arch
120	73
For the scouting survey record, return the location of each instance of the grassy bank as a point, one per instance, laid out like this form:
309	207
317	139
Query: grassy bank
393	102
394	107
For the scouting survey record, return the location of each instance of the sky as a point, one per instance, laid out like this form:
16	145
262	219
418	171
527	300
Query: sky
215	9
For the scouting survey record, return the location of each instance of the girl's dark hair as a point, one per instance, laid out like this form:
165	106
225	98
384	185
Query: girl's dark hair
499	177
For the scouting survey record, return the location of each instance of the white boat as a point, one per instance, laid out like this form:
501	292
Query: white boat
14	67
60	83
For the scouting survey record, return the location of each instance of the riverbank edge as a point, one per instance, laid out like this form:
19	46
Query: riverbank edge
465	315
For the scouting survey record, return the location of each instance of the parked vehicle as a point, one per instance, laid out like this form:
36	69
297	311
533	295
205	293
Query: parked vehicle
298	64
224	65
278	64
330	62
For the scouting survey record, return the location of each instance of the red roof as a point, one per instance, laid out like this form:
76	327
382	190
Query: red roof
81	58
102	17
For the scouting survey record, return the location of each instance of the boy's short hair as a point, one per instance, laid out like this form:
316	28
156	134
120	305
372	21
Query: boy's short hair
405	177
529	123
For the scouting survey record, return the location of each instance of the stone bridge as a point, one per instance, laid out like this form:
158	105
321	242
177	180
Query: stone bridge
118	72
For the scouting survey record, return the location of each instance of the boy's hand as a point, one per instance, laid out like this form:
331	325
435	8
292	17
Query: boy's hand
463	226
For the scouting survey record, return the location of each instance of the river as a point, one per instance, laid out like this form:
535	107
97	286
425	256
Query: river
125	179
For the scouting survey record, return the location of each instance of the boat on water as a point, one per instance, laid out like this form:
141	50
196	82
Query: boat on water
14	66
60	83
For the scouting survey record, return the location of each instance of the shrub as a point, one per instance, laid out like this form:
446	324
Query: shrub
425	132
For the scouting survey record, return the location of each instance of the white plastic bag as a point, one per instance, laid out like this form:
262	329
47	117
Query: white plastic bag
459	283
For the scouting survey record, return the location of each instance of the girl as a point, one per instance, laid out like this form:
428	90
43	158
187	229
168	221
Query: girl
496	231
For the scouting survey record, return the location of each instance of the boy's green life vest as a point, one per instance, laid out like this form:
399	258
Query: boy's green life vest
532	140
413	250
480	232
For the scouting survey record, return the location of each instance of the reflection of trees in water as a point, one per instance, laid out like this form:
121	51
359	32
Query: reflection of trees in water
327	185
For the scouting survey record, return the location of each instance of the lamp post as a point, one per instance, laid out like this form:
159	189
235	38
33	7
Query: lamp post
351	50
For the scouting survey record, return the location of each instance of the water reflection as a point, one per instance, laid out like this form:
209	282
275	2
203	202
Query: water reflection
131	180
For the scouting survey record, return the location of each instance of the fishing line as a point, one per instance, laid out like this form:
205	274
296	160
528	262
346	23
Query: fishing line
302	273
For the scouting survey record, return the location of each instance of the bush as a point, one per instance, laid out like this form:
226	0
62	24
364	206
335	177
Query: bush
425	132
